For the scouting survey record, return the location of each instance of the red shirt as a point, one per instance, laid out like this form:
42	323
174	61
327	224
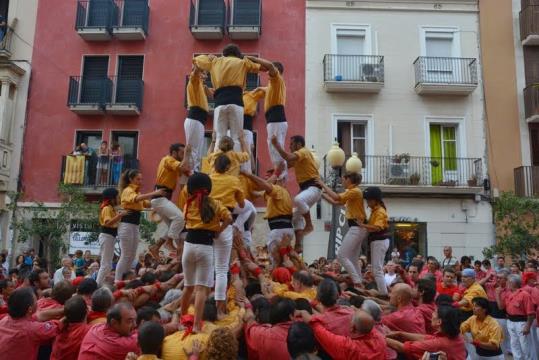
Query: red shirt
454	348
103	343
480	275
267	342
534	293
337	319
441	289
21	338
407	319
371	346
426	310
518	303
66	346
490	289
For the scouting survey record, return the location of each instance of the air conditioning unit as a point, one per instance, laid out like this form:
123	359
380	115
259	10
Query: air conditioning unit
372	72
398	171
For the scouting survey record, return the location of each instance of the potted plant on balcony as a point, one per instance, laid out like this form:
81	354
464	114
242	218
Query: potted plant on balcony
414	179
398	158
472	181
434	163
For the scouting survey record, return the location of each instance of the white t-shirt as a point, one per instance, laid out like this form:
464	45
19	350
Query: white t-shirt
58	276
389	278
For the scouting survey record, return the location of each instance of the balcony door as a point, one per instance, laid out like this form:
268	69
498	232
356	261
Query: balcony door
128	141
349	42
440	51
443	153
534	143
129	82
94	76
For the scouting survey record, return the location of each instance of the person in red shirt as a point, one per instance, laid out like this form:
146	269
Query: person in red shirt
102	300
66	346
20	336
426	307
335	318
406	318
529	282
6	288
433	267
301	342
268	342
365	341
114	339
447	338
448	285
413	275
495	311
52	308
479	273
520	315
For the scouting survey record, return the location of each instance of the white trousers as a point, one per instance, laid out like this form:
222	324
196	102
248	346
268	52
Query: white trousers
106	253
194	136
506	343
222	247
378	254
171	216
227	117
197	264
520	344
349	251
247	166
303	203
279	130
129	237
535	341
245	214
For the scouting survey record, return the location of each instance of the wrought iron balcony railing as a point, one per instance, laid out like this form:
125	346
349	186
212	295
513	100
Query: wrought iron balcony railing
445	70
358	68
84	90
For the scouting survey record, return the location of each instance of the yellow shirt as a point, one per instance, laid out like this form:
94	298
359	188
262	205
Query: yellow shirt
227	70
226	189
128	197
168	172
106	214
248	188
182	197
486	331
250	100
473	291
236	159
352	198
279	202
276	93
305	166
282	290
196	96
194	220
379	218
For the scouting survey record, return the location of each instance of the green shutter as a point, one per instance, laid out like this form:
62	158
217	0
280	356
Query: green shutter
436	153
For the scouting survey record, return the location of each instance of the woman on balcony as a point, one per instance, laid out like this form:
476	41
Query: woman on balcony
103	158
117	162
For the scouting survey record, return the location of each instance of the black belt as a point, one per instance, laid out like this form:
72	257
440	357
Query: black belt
197	113
200	237
352	222
495	311
517	318
380	235
132	217
248	122
228	95
484	352
280	222
307	184
275	114
109	231
234	216
168	193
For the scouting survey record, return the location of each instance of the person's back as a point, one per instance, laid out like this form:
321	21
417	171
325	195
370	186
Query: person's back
406	318
66	345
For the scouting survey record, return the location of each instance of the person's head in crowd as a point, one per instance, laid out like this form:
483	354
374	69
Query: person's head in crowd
446	321
373	195
32	252
532	265
261	309
21	303
78	254
448	252
176	151
443	300
486	264
302	280
465	262
19	260
480	307
149	278
75	310
281	310
39	279
300	341
102	300
232	50
390	267
252	288
129	275
147	313
357	301
477	265
221	164
133	284
501	277
468	277
413	272
427	290
515	268
529	278
373	309
222	344
6	288
38	264
296	142
303	304
150	338
62	291
67	262
418	263
449	276
87	287
93	268
400	296
130	177
121	318
336	266
328	293
362	322
432	264
500	261
14	275
210	310
226	144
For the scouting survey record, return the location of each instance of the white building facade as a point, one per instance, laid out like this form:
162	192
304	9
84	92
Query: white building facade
399	83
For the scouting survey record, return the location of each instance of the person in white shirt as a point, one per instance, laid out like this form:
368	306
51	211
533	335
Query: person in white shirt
390	275
449	259
58	274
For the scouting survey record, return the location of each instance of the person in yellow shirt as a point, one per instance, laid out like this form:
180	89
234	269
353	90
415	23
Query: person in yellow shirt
307	175
169	170
228	74
278	210
226	146
205	219
133	202
352	199
472	290
377	226
108	220
487	334
197	114
250	106
150	339
302	287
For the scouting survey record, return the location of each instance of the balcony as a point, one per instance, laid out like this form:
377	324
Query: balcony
529	25
245	19
94	173
132	21
353	73
404	174
5	44
89	96
531	102
446	76
128	97
527	181
95	19
207	19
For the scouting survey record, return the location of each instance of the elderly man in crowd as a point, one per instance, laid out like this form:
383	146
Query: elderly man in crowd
471	290
449	259
406	318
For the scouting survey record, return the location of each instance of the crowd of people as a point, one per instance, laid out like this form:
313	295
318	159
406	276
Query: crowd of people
218	298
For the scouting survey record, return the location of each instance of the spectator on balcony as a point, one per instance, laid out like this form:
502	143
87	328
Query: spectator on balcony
117	162
103	159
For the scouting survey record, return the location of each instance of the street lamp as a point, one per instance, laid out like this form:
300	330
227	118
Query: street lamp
335	158
353	164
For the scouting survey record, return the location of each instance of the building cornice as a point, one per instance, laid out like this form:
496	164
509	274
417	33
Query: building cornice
461	6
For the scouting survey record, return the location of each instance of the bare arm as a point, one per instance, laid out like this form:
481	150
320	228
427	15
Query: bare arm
329	192
260	183
160	192
211	148
267	65
285	155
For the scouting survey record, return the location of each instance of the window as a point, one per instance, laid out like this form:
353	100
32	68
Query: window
350	41
94	79
129	79
90	138
352	137
440	46
443	152
128	141
534	142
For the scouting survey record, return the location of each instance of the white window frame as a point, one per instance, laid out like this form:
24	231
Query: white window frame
423	30
446	120
367	120
363	27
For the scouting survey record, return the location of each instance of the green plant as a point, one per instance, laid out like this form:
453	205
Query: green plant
517	220
434	163
404	157
414	178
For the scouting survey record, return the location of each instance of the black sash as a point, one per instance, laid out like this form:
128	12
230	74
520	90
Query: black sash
307	184
132	217
352	222
517	318
200	237
197	113
228	95
168	193
484	352
275	114
248	122
280	222
379	235
109	230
